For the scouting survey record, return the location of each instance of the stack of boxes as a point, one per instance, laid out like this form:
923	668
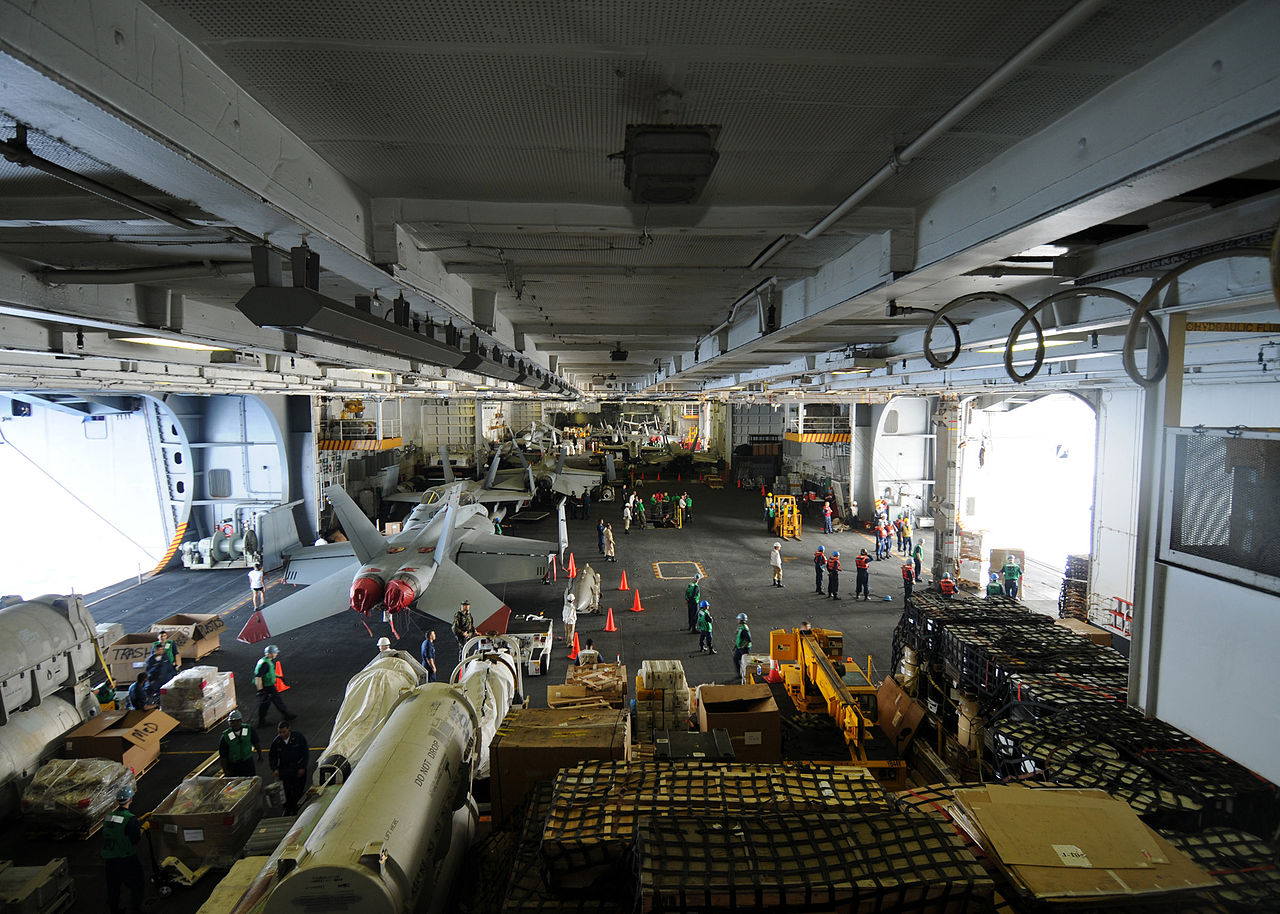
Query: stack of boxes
199	697
664	700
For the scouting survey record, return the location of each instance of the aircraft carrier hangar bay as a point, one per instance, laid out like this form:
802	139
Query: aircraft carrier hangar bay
1008	269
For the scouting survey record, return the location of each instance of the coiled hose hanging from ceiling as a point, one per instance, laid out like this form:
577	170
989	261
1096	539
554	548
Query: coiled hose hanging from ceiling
1158	364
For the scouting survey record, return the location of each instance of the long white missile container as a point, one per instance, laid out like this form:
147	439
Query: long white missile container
393	838
46	645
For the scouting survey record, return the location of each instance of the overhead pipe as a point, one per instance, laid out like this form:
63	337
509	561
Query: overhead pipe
900	159
186	270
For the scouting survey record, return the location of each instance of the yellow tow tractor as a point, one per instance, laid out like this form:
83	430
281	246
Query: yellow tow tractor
819	678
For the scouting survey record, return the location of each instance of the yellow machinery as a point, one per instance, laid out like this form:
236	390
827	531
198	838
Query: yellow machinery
786	517
818	678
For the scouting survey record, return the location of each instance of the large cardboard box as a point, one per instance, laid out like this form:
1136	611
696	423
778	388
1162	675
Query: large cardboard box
1074	845
127	657
535	743
1092	632
206	821
750	715
195	634
199	697
129	737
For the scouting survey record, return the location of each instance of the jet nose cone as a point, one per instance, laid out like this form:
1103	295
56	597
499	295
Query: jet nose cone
399	595
366	593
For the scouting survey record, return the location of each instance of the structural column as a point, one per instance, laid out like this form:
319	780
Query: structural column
948	423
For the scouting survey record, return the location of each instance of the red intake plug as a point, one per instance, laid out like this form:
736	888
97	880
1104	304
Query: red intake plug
399	595
366	593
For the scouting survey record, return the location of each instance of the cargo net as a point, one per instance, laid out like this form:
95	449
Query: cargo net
1223	488
859	863
925	615
597	806
1169	778
1244	864
526	889
1073	599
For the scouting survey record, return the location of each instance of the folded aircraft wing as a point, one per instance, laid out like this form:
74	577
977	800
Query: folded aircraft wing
493	559
311	564
327	597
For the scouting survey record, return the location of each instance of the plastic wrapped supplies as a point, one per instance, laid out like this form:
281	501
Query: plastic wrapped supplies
73	796
199	697
370	696
206	821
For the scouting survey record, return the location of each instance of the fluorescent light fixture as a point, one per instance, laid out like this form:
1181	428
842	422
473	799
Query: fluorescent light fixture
169	343
1045	250
372	370
850	370
1025	346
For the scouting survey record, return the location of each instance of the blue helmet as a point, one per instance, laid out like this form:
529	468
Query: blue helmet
822	548
704	605
836	553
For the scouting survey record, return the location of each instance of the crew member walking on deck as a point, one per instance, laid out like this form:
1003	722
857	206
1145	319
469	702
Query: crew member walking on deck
775	563
908	578
1012	577
257	586
819	565
236	747
289	757
264	680
569	615
862	583
428	652
120	836
600	536
917	559
609	544
826	517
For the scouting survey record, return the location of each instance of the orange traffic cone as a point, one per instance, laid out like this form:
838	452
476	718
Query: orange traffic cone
623	585
678	475
572	569
573	653
659	476
609	624
635	606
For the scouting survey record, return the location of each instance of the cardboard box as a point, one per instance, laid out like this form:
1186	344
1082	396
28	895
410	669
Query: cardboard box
206	821
576	696
533	744
1074	845
1092	632
750	715
195	634
107	634
127	657
129	737
199	697
898	716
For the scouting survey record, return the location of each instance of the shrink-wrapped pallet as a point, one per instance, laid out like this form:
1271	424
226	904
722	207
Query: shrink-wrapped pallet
73	796
199	697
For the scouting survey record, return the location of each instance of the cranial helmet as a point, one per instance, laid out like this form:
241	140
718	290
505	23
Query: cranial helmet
235	717
270	649
822	548
946	576
384	642
704	605
742	617
124	794
836	553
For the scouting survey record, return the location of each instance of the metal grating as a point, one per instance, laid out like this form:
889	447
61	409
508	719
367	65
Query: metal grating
1222	489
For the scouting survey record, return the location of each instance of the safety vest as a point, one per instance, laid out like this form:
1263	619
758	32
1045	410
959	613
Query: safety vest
994	589
239	743
744	639
946	585
1012	572
266	671
833	564
862	562
819	559
691	592
115	838
703	621
908	572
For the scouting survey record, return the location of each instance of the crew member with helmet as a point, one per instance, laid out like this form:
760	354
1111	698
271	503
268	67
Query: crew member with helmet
862	582
833	575
741	646
121	834
1012	577
947	586
994	587
692	594
264	680
775	564
705	626
384	644
236	747
908	579
819	563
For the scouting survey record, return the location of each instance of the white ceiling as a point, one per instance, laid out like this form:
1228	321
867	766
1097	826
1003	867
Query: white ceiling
448	150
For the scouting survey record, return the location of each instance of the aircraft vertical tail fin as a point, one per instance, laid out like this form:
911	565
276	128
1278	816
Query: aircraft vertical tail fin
560	461
446	464
446	534
365	539
493	470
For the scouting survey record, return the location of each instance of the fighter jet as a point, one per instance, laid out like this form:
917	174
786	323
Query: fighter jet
446	553
516	486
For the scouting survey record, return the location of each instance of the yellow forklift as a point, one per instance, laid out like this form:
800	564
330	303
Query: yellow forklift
786	517
820	679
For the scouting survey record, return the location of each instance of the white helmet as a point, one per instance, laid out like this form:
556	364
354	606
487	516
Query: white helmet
384	643
742	617
777	545
946	576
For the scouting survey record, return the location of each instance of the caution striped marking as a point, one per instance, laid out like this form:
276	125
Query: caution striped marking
677	571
